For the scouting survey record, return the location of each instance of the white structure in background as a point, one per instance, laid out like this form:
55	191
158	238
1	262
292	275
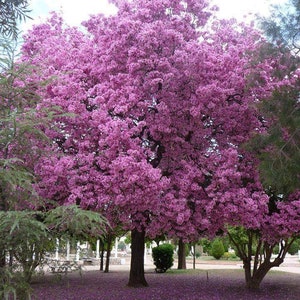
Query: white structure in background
77	251
68	250
97	249
116	247
56	249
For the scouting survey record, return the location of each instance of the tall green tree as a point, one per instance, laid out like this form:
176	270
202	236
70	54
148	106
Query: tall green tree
283	26
279	147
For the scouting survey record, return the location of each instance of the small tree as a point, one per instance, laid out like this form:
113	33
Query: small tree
217	249
163	257
27	236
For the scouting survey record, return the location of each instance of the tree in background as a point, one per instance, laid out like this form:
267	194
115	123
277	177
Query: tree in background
217	249
283	26
277	150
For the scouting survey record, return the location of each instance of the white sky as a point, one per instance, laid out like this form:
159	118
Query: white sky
75	12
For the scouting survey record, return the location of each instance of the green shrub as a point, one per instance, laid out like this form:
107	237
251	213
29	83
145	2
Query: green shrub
217	249
276	249
294	248
198	254
229	256
163	257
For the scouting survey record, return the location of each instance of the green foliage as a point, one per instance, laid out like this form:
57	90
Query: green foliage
294	248
240	236
12	285
217	249
283	26
206	244
121	246
26	240
28	235
12	12
229	256
279	149
21	138
163	257
75	222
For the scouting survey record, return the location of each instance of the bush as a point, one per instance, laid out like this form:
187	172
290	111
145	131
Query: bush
276	249
229	256
294	248
217	249
163	257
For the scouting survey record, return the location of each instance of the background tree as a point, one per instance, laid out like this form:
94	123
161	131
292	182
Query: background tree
277	149
283	26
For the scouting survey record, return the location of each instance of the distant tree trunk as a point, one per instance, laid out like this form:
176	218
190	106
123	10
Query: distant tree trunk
109	243
2	258
194	256
181	255
137	273
101	255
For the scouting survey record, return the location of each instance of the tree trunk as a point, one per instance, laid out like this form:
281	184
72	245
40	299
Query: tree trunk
181	255
2	258
194	256
101	255
247	270
109	242
253	283
137	273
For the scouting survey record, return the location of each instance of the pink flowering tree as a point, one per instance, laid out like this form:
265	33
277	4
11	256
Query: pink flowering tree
160	101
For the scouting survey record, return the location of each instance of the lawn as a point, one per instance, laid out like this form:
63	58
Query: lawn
173	285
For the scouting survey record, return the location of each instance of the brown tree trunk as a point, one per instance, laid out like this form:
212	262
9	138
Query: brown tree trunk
2	258
101	255
181	255
254	280
109	242
137	273
253	283
247	270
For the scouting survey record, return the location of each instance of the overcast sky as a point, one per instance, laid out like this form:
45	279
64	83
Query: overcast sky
75	12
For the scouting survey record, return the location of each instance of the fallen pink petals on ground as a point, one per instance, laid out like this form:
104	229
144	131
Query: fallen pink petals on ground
220	284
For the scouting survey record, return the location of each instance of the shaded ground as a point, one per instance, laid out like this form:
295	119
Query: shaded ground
173	285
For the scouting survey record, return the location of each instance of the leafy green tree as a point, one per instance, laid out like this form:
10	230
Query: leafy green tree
283	26
28	235
294	248
279	148
217	248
